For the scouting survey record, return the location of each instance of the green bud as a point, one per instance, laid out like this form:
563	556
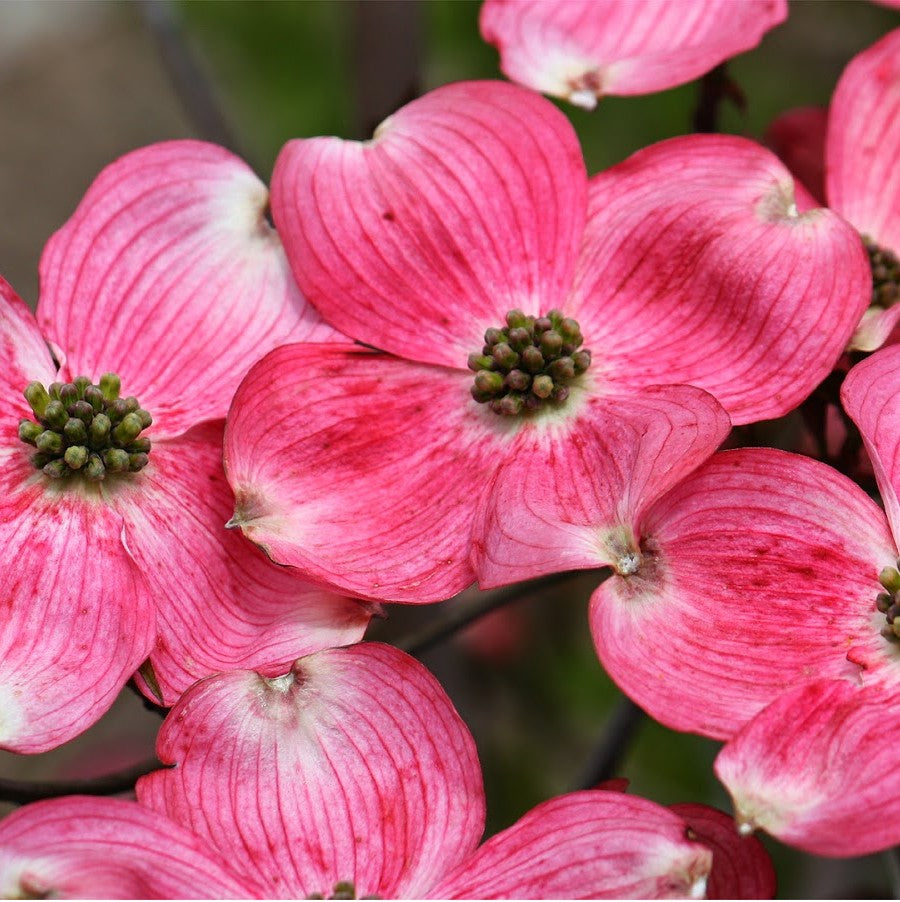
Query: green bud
519	339
505	356
68	394
582	360
94	397
137	462
555	316
76	456
492	337
115	460
145	418
132	405
81	383
37	397
516	319
508	405
517	380
56	469
570	332
49	442
488	382
562	370
551	343
542	324
29	431
110	384
128	430
532	360
890	579
56	415
480	362
117	410
99	430
75	431
344	889
542	386
560	393
54	390
140	446
94	469
82	410
883	602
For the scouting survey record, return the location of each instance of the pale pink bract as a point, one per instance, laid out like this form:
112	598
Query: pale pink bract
582	50
169	275
353	768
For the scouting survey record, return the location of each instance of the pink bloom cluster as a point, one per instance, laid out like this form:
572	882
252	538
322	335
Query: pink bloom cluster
456	358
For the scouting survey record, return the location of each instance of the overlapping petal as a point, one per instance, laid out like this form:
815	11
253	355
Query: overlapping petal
220	604
817	769
76	622
863	179
759	571
741	867
870	395
697	268
622	455
89	848
361	469
584	49
586	845
169	275
467	203
351	767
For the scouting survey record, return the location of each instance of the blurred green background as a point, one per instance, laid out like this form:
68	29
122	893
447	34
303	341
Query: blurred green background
527	681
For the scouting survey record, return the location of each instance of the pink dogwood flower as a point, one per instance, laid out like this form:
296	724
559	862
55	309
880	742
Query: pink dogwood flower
164	286
352	776
848	156
521	306
582	50
761	579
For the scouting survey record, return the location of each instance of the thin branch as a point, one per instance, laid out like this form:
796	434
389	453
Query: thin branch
424	640
620	731
191	82
20	793
715	87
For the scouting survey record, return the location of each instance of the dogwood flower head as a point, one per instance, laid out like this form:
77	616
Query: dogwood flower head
847	156
517	302
163	286
352	776
582	50
759	573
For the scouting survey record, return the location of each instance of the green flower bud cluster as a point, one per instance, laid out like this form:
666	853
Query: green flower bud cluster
343	889
528	364
888	602
885	274
85	428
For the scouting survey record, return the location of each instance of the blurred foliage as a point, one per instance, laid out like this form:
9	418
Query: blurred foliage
285	70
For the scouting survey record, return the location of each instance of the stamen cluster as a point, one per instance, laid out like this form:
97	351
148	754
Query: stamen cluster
529	363
888	602
85	428
885	274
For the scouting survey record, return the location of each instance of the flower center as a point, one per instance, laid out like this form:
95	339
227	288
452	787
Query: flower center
528	364
343	889
888	602
885	274
85	429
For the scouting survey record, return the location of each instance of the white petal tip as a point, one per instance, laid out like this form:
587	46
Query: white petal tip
698	888
583	98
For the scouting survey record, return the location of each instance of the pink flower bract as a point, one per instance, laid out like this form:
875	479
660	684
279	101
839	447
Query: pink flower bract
168	275
353	768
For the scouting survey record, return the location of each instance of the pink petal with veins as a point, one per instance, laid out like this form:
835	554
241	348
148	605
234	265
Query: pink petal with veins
351	767
184	282
361	470
871	395
863	179
697	268
586	845
220	604
759	571
78	847
742	868
582	50
818	769
467	203
620	456
798	137
76	622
